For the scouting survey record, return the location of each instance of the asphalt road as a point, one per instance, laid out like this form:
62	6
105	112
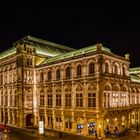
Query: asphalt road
24	134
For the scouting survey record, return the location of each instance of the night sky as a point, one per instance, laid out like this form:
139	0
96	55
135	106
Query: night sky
115	25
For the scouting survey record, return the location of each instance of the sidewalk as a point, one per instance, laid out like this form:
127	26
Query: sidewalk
55	135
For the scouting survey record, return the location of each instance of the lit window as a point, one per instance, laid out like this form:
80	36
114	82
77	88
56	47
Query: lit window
41	77
68	72
106	68
115	69
68	100
91	68
58	74
79	70
58	99
79	100
50	99
49	75
91	99
41	100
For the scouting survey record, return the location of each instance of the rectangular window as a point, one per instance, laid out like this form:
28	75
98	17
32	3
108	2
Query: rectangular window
1	100
28	62
91	99
41	100
58	99
6	100
11	100
49	100
50	122
16	100
79	100
42	118
68	123
68	100
58	121
1	79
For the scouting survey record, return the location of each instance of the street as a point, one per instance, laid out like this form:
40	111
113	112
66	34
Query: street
26	134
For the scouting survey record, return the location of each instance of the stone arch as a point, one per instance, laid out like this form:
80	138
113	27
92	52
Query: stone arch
91	86
49	89
124	88
78	87
116	68
133	90
68	88
58	88
78	63
124	70
116	87
106	66
107	87
41	76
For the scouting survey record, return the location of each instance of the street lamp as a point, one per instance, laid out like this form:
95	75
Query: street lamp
99	131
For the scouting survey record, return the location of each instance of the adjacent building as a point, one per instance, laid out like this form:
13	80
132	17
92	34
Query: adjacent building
69	90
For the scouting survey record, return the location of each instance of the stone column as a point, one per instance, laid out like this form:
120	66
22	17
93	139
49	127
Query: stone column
62	127
74	128
85	129
100	128
53	118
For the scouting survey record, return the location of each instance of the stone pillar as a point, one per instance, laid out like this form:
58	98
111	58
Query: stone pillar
100	128
85	129
13	122
74	128
63	121
53	118
9	116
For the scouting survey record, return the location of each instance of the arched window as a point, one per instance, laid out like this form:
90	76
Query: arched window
58	74
105	100
124	71
106	68
49	75
91	68
41	77
115	69
68	72
79	70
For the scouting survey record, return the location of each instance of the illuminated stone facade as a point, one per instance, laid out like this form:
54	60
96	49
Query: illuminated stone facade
91	88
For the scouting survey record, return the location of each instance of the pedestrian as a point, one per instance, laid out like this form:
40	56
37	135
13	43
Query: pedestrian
60	135
96	134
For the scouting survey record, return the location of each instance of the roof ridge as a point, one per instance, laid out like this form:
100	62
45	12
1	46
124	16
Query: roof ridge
46	42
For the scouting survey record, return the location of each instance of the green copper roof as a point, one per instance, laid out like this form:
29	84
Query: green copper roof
7	52
46	47
43	47
134	78
134	70
78	52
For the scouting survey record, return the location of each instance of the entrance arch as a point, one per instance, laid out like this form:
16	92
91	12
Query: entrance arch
28	120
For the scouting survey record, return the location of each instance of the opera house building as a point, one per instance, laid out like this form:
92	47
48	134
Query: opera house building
70	90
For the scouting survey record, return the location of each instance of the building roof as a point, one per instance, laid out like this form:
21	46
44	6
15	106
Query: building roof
78	52
43	47
134	78
7	52
134	70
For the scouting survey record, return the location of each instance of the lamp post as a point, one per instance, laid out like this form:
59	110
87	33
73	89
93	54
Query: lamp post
99	131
